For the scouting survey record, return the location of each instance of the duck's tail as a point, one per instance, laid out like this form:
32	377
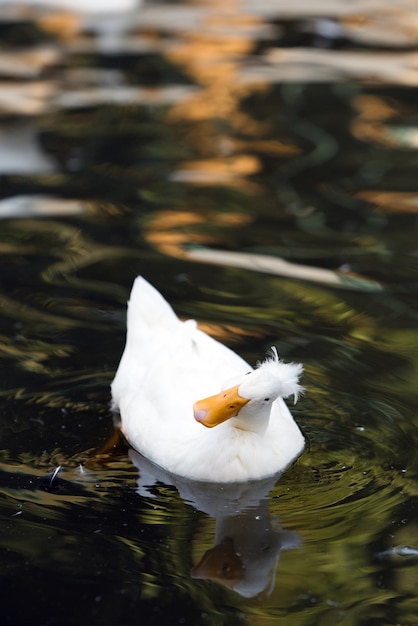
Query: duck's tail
148	311
150	321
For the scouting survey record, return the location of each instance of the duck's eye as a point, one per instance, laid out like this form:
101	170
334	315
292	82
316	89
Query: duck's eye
232	406
226	570
266	399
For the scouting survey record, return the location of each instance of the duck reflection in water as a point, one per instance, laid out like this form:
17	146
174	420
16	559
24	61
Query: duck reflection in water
247	541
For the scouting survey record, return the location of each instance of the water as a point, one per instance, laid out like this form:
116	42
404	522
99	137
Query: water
177	141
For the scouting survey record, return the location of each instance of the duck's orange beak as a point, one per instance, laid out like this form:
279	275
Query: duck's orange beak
217	409
220	564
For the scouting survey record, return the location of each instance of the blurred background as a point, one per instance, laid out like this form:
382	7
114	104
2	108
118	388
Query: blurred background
256	160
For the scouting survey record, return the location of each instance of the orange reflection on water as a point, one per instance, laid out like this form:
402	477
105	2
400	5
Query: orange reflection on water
391	201
66	25
371	121
222	171
169	231
230	334
212	56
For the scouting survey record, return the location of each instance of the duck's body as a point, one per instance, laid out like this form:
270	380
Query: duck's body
168	366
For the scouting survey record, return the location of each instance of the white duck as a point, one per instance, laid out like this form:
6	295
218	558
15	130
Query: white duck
166	369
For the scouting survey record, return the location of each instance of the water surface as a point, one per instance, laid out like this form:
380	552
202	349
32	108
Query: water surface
257	163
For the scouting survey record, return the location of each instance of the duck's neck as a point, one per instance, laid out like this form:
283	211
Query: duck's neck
252	419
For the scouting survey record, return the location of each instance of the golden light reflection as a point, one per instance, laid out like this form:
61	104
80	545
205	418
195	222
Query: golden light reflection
222	171
371	123
17	309
213	58
33	356
170	231
391	201
229	333
66	25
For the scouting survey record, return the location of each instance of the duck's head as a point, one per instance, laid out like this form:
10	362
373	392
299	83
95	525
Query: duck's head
251	396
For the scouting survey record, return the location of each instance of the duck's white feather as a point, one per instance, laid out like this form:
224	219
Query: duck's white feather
167	366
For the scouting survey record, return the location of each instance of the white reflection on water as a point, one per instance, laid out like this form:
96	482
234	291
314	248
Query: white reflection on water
38	206
20	152
281	267
309	65
247	543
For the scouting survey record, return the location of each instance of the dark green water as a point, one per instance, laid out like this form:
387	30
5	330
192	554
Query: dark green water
137	157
